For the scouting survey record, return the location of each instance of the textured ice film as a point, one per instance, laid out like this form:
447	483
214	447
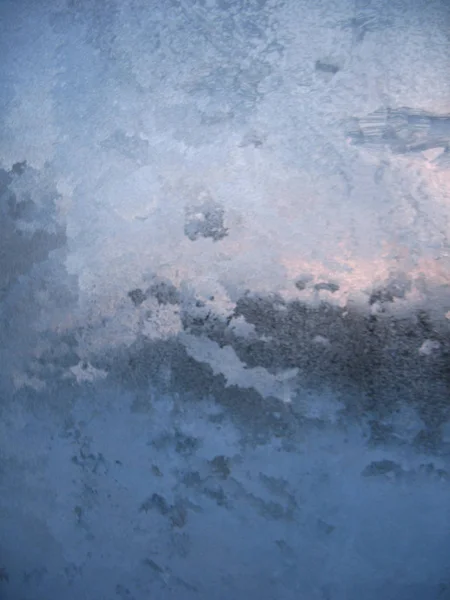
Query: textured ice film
224	300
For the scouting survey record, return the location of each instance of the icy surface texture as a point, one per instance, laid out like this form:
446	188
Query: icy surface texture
224	300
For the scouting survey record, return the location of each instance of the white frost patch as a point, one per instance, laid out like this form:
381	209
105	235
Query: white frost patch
429	347
320	340
163	322
224	361
241	328
432	153
85	372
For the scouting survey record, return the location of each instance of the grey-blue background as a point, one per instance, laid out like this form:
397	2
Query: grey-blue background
224	300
